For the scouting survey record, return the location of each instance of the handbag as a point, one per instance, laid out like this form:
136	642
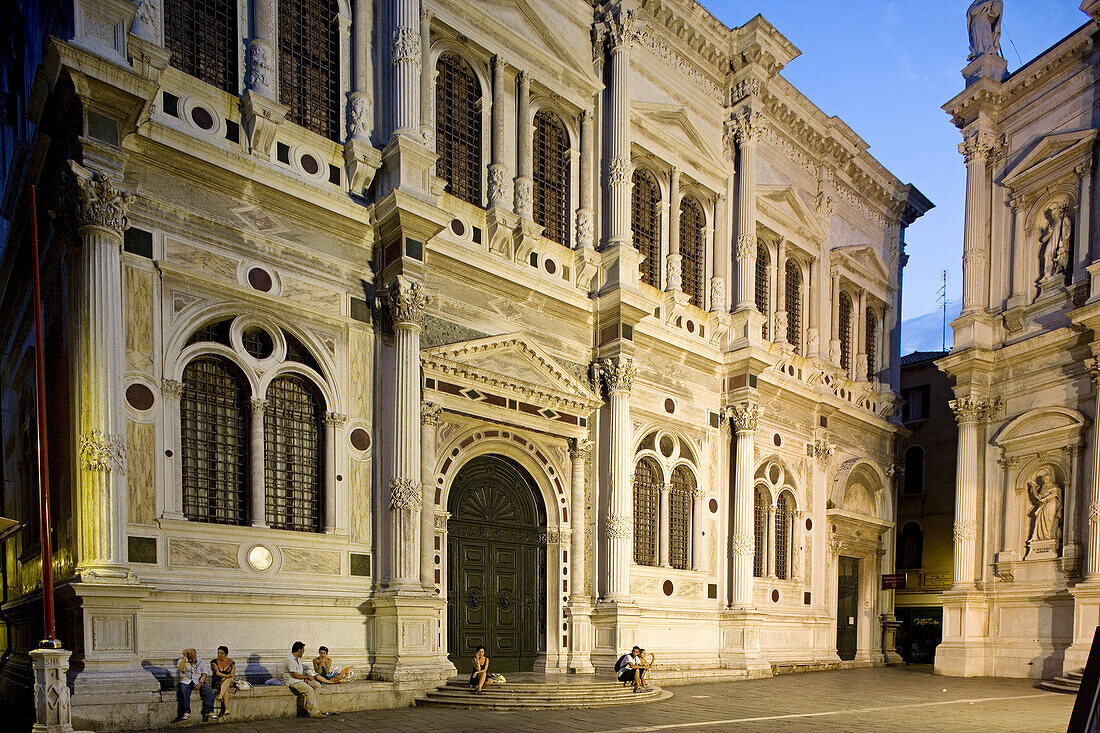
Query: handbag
498	678
242	684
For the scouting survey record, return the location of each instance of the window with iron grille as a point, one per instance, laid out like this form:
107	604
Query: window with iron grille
309	64
760	530
845	308
647	498
784	518
551	177
762	284
202	36
214	438
794	305
679	517
645	221
692	250
871	345
293	457
458	128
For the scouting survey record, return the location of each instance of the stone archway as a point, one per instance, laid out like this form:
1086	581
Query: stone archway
496	555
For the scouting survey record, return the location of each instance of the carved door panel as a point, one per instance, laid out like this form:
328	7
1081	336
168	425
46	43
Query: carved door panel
847	606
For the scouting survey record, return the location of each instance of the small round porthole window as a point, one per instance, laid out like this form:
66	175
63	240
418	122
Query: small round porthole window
202	118
458	227
670	405
260	558
667	588
260	279
775	596
139	397
809	523
777	439
713	506
667	446
310	164
550	266
360	439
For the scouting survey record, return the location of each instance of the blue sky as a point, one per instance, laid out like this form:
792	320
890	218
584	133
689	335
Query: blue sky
886	68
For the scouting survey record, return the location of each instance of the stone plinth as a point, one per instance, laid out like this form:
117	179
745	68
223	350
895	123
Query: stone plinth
966	648
987	66
53	713
407	632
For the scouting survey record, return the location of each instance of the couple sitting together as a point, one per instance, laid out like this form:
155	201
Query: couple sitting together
631	668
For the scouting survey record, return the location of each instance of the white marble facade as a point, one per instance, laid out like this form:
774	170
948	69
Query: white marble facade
1025	599
746	355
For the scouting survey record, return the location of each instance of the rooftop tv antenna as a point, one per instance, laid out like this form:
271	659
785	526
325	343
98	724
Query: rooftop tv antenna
941	299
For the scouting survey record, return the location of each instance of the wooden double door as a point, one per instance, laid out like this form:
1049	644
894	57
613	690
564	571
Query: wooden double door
496	573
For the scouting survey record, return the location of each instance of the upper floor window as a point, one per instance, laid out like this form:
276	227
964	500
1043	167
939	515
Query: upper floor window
784	536
845	310
550	171
871	345
693	266
910	554
647	495
916	403
203	39
914	470
794	305
762	297
309	64
760	530
645	221
458	128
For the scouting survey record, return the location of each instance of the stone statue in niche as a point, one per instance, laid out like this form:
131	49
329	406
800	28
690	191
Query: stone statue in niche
983	21
1056	238
1045	494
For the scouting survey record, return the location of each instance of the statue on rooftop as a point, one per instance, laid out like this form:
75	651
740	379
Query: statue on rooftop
983	21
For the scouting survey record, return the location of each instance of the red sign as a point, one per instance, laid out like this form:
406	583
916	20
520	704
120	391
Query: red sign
893	581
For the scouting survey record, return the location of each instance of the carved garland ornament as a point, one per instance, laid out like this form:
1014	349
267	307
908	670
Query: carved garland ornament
406	46
619	526
619	174
964	530
101	451
99	203
405	494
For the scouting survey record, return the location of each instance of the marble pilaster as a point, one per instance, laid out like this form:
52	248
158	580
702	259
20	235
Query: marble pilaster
744	417
618	376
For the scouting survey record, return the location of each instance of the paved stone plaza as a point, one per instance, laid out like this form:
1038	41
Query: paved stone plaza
894	699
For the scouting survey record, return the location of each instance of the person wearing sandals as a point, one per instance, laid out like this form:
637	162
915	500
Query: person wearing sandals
223	671
326	672
643	667
480	676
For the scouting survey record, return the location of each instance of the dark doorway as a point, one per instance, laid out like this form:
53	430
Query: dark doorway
496	572
847	607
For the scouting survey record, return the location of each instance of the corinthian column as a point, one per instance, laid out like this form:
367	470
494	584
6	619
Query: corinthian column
579	451
257	470
429	419
408	301
496	145
618	375
261	77
744	417
103	498
621	32
662	527
969	412
1092	564
976	150
405	56
746	127
780	332
585	224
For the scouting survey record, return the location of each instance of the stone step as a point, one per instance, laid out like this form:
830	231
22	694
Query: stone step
500	692
554	694
464	683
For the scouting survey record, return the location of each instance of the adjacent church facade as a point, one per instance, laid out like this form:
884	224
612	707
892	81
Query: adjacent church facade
1025	599
405	327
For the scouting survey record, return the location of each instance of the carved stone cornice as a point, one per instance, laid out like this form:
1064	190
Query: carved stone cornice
430	412
744	416
405	493
580	449
98	202
408	301
618	373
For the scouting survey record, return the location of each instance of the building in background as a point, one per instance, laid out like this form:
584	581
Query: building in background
926	504
410	326
1025	597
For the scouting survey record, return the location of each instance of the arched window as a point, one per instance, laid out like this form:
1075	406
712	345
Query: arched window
914	470
214	442
760	527
794	305
912	546
645	221
845	308
309	64
202	37
551	177
784	552
293	454
692	250
762	263
871	345
647	497
679	517
458	128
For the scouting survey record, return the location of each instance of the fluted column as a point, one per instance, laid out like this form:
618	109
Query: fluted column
524	193
779	333
406	63
408	301
969	412
674	265
1092	564
103	496
496	166
720	250
334	421
621	27
744	417
429	420
256	468
747	127
585	223
662	526
427	79
618	376
579	451
360	98
976	149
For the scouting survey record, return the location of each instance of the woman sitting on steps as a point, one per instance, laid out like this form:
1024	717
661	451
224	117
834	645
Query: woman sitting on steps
480	676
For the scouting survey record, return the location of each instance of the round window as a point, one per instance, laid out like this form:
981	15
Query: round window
670	406
310	164
667	446
258	343
202	118
458	227
667	588
139	397
260	279
713	506
360	439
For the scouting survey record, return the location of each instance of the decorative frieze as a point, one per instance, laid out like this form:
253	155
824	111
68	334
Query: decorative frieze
405	493
651	41
618	373
405	46
496	182
102	451
748	87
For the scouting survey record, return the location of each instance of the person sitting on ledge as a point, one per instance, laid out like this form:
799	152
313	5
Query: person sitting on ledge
643	667
224	672
194	672
480	677
325	670
301	682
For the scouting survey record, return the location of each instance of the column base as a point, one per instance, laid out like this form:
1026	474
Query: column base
617	625
746	329
579	620
890	627
408	636
407	163
739	639
621	265
499	230
966	649
53	711
1086	617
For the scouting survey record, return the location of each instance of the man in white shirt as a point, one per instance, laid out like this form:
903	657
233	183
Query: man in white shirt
300	681
194	672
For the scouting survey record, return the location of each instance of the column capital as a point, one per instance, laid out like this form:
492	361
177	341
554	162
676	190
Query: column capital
977	146
408	301
171	389
618	373
405	493
430	412
747	125
580	449
99	203
665	488
972	409
257	404
623	27
823	450
102	451
744	416
1092	365
336	419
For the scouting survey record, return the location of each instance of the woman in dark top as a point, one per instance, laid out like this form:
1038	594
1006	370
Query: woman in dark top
223	669
480	677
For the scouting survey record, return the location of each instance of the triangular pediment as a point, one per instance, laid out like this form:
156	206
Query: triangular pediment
1052	157
510	365
781	208
863	259
671	125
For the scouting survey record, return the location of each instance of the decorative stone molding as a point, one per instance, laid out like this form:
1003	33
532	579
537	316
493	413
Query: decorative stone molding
360	114
619	526
405	46
651	41
978	146
336	419
1094	512
408	301
823	450
717	293
698	492
745	416
496	182
146	24
430	412
257	404
99	203
673	272
1092	364
585	226
964	530
261	67
580	449
971	409
748	126
524	197
746	247
742	544
745	88
102	451
622	27
619	174
171	389
441	520
405	493
618	373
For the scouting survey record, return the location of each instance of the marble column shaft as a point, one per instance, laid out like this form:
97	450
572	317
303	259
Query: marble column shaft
696	549
969	412
496	145
579	451
747	126
673	278
585	223
262	77
333	422
360	98
429	421
976	149
780	335
618	375
744	417
663	515
1092	562
524	193
405	55
256	467
621	36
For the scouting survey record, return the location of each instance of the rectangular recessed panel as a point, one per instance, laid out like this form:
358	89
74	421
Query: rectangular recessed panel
360	564
139	242
142	549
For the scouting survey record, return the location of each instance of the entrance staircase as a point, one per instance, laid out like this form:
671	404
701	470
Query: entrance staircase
1070	682
531	691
